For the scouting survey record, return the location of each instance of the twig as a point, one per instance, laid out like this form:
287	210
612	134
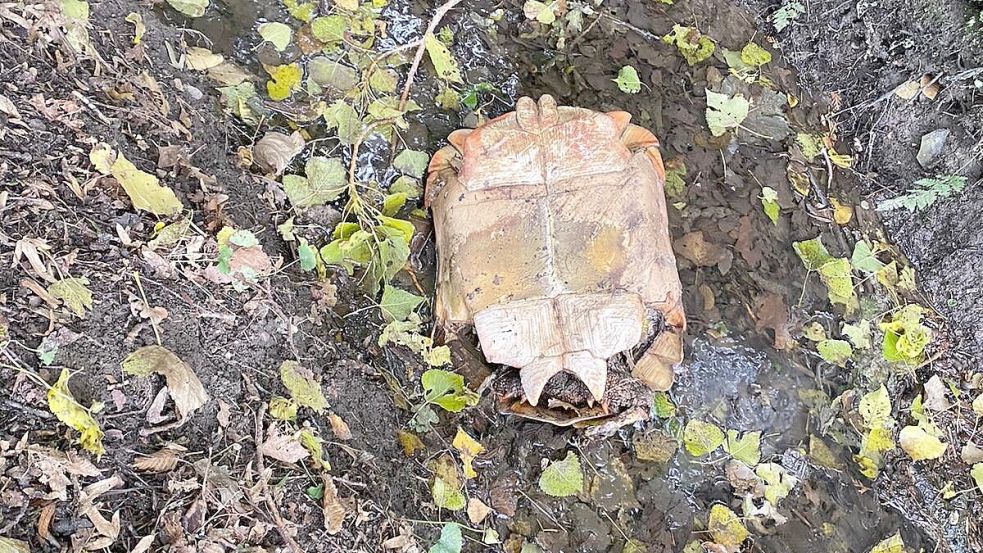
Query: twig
153	323
88	103
437	16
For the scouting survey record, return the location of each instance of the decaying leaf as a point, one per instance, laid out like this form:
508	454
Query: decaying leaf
185	388
477	510
745	448
920	444
543	12
442	59
190	8
725	112
702	438
726	528
655	446
303	386
334	508
63	405
144	189
469	448
834	272
202	59
283	447
162	460
10	545
411	443
276	33
275	150
312	443
75	294
563	478
694	46
628	81
893	544
778	481
448	390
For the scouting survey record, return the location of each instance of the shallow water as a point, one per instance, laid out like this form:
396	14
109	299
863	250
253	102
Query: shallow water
732	375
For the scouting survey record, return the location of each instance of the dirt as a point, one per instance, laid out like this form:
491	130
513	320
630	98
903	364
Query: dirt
739	303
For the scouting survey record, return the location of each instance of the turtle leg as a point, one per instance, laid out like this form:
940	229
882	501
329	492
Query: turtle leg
444	164
655	366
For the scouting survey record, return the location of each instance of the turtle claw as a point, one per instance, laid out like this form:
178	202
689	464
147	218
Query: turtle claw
535	375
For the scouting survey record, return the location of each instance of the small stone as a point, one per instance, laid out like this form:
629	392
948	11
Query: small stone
931	148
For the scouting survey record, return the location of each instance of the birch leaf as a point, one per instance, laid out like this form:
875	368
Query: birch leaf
563	478
443	60
74	293
724	113
63	405
303	386
276	33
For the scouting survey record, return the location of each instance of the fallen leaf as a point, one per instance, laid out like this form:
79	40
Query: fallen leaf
339	427
324	182
397	304
769	202
448	390
334	509
977	474
143	189
74	293
411	443
837	352
702	438
726	528
778	481
162	460
628	81
771	312
446	495
275	150
692	45
185	388
894	544
450	540
284	80
469	448
202	59
746	448
724	112
412	162
542	12
935	394
655	446
859	334
477	510
63	405
190	8
755	55
10	545
919	444
303	386
563	478
139	29
276	33
442	59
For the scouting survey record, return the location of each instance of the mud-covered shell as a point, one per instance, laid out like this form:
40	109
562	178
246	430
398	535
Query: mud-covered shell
553	241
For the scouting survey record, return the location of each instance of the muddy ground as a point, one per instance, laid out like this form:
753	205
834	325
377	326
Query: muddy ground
748	296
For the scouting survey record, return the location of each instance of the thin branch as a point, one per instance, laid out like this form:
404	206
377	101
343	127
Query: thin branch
437	16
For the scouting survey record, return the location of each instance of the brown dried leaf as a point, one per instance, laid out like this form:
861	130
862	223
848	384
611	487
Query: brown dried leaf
477	510
771	312
164	460
701	253
188	392
339	427
334	509
275	150
282	447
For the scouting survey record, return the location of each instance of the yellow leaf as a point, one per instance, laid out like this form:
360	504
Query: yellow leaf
443	60
138	27
841	160
410	442
894	544
10	545
202	59
312	443
919	444
63	405
469	449
74	293
303	387
725	528
842	213
284	80
283	409
144	189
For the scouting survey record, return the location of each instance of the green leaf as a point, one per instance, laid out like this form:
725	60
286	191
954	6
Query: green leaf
326	180
663	405
875	408
563	478
315	492
769	202
328	72
785	15
542	12
450	540
437	356
75	294
303	12
329	29
701	438
343	117
397	304
443	60
283	409
307	255
446	496
724	113
925	192
392	203
755	55
778	482
302	385
628	81
693	46
412	162
859	334
277	34
726	528
75	9
383	80
190	8
837	352
977	474
448	390
746	449
812	253
863	258
810	144
919	444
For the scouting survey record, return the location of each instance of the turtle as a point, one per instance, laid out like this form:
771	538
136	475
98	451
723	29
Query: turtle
553	245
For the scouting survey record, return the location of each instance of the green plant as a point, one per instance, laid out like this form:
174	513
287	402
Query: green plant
925	192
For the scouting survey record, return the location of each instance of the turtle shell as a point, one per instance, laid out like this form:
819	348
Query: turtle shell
552	241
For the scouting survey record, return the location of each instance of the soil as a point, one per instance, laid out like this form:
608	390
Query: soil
752	293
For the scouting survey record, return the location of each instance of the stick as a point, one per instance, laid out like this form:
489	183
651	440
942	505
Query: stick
437	16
